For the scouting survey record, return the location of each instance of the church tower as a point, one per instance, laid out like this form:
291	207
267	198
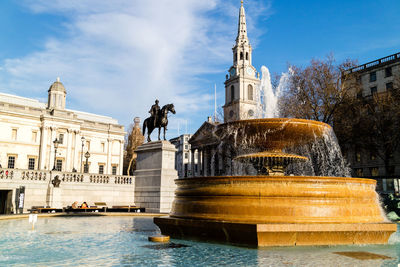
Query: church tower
243	80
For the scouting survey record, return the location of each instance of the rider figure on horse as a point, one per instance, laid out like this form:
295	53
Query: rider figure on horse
155	109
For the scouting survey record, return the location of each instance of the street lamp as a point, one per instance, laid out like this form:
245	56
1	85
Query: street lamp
83	143
87	156
55	142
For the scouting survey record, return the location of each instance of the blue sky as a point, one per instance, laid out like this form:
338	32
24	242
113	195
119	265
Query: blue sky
115	57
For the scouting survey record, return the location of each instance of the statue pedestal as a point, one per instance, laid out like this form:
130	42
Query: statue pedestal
155	174
55	197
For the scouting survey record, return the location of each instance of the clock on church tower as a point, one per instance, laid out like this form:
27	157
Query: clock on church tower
242	83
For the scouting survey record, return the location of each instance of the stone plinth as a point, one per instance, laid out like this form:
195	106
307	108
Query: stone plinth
277	234
155	174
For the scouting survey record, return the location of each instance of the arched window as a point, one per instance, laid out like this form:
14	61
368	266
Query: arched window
241	55
250	92
232	93
247	55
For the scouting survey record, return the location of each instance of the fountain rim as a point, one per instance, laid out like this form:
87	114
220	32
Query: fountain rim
255	178
278	120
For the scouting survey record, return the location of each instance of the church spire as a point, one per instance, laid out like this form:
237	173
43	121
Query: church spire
242	28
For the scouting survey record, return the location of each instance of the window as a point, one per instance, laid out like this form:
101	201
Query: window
11	162
34	136
241	55
114	170
250	92
358	156
235	58
88	145
372	76
61	139
186	155
373	90
232	93
59	165
389	86
14	134
101	169
186	146
388	72
359	172
247	55
103	147
31	163
374	171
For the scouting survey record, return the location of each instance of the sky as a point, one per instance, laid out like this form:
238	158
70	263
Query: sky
116	57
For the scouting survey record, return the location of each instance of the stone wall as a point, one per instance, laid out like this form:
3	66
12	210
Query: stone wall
39	191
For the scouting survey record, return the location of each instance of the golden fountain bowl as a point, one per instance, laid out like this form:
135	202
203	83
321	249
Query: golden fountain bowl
271	134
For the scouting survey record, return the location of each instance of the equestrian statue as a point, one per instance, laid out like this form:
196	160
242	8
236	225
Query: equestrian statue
158	119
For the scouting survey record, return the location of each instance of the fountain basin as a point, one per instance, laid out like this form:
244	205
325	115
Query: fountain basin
284	199
277	211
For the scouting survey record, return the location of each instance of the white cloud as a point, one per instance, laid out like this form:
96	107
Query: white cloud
116	57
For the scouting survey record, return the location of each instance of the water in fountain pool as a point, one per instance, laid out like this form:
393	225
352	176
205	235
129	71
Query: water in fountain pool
122	241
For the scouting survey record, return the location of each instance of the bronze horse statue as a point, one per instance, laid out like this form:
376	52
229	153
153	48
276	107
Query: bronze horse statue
161	121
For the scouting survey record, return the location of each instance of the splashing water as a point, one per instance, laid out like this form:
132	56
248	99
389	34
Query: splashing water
269	96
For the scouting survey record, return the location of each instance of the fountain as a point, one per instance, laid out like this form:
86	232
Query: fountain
271	209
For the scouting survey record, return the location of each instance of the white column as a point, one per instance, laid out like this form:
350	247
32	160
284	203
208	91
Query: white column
76	146
109	147
68	155
43	146
121	157
53	137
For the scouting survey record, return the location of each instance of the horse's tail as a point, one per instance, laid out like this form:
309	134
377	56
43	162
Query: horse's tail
144	126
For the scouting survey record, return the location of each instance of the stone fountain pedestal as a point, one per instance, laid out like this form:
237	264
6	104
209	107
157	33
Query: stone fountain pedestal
155	174
276	234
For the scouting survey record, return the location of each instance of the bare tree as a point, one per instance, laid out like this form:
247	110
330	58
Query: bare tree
134	140
317	91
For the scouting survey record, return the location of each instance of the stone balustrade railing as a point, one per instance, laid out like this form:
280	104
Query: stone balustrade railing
14	175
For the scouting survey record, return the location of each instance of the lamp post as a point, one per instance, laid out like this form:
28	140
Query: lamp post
55	142
87	156
83	143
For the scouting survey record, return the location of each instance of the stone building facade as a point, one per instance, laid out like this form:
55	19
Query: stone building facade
29	129
376	77
186	159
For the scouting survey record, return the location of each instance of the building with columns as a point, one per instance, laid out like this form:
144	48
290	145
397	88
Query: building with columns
243	79
29	129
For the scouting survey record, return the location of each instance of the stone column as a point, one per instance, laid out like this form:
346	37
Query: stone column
43	147
53	137
192	162
199	161
121	157
155	175
109	147
68	155
77	145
